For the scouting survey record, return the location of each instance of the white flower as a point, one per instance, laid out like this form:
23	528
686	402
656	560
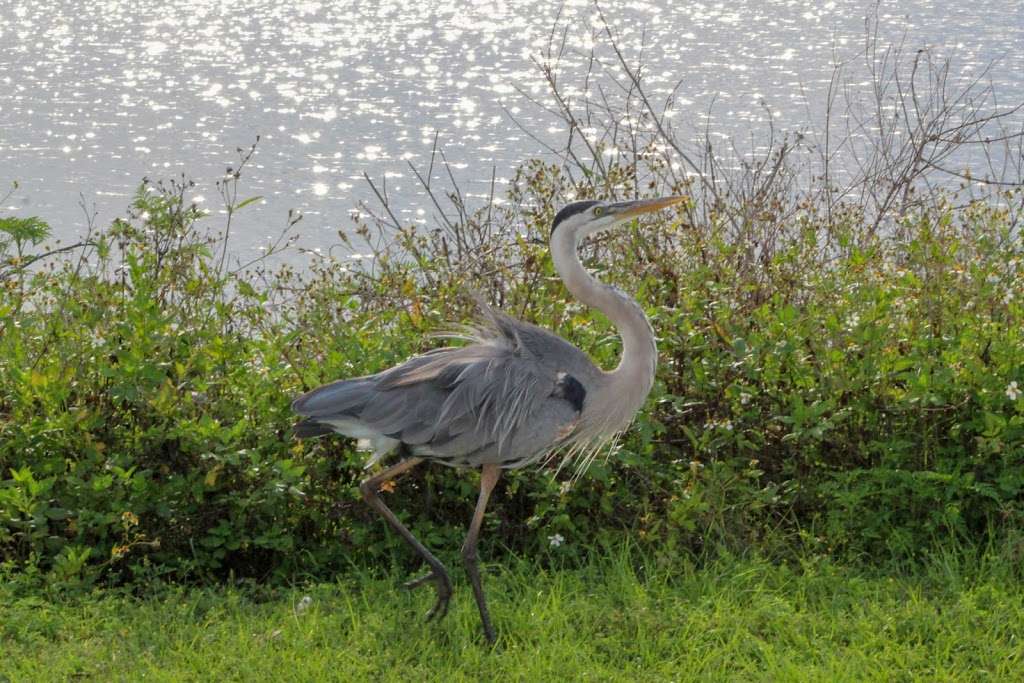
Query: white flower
304	604
1012	392
556	540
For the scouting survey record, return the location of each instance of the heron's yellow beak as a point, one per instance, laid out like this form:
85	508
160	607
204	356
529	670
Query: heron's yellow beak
635	208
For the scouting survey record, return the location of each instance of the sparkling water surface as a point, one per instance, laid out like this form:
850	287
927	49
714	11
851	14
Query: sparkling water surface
96	95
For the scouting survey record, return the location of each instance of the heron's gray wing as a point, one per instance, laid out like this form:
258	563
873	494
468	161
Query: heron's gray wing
485	398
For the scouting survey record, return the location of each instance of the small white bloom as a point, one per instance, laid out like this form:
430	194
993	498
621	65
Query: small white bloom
565	487
556	540
1008	297
725	424
1012	392
744	399
304	604
992	279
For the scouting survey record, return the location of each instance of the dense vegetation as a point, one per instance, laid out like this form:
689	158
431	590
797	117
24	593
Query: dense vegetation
864	405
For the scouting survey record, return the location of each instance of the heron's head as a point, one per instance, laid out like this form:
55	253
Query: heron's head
579	219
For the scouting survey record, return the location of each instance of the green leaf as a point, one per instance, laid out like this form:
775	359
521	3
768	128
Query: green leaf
32	229
246	202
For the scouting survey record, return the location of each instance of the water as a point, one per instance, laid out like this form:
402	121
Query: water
94	96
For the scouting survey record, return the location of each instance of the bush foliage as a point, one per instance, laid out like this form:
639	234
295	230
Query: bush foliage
857	397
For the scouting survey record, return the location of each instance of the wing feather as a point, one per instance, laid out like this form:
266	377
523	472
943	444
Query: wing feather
491	396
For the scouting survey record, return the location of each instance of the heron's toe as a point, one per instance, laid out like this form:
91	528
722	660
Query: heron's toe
440	608
443	586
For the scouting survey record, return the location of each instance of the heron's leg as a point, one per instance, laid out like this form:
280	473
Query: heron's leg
488	478
438	574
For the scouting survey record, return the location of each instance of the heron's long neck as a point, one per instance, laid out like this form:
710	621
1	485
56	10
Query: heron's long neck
632	379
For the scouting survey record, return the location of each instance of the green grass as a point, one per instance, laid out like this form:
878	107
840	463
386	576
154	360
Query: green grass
733	620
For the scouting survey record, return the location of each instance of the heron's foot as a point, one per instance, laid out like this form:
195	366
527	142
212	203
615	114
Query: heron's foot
443	585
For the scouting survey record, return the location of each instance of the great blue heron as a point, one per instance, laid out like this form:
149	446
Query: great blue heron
515	394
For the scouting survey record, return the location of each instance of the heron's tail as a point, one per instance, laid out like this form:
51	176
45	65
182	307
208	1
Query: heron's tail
345	396
328	403
309	428
335	407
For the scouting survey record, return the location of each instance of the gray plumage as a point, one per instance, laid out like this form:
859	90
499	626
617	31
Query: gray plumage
515	394
500	399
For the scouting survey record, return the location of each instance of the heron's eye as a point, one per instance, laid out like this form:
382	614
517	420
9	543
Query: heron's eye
598	211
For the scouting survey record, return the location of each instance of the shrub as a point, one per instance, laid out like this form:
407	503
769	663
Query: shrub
865	407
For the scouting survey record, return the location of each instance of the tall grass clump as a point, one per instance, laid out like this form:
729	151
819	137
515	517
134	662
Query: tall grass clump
842	355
